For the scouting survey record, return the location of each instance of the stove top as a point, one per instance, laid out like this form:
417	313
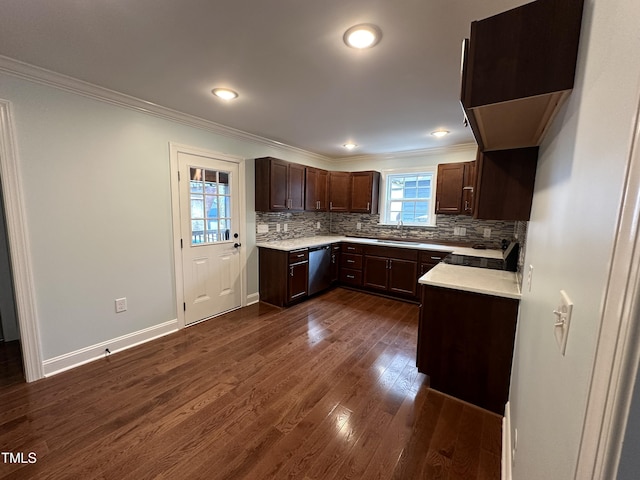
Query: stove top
479	262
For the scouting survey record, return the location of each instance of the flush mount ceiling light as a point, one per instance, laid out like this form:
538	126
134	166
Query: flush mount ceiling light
362	36
440	133
224	93
349	146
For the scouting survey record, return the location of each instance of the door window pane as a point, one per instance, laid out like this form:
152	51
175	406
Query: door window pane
210	206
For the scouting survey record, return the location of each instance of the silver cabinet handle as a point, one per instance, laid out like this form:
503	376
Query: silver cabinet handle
291	271
300	255
368	205
330	205
351	276
436	258
351	261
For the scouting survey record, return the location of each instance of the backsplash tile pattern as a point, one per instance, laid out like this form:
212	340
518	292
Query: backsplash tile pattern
304	224
299	224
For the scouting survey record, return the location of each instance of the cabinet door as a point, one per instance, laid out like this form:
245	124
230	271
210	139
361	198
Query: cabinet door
376	272
505	184
335	262
468	189
402	276
315	189
339	191
449	188
322	190
295	186
298	278
278	185
364	192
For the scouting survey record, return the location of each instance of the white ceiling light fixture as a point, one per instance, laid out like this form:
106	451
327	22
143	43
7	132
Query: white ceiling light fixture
350	146
224	93
440	133
362	36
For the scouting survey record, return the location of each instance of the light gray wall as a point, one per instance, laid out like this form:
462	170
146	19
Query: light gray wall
571	233
98	207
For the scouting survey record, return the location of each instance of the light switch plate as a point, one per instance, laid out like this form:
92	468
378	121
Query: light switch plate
121	305
562	320
263	228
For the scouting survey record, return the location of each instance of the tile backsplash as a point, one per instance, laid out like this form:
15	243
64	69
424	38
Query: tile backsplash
305	224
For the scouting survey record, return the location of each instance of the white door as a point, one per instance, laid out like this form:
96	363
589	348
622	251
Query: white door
209	227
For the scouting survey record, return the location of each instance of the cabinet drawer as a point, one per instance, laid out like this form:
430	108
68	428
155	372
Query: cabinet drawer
351	248
349	260
351	277
298	255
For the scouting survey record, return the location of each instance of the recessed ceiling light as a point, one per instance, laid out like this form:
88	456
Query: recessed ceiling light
224	93
350	146
440	133
362	36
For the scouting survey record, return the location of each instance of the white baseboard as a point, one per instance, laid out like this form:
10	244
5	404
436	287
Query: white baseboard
71	360
253	298
506	444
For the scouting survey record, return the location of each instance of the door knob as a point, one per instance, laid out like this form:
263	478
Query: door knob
237	245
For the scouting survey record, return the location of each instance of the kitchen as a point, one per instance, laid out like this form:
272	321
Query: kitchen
569	241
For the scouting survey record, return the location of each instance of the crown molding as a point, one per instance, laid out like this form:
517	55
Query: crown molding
50	78
423	152
42	76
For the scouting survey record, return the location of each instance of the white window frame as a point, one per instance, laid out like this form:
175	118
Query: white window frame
384	174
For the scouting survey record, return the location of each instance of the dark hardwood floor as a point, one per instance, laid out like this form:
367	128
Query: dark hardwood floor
10	364
325	389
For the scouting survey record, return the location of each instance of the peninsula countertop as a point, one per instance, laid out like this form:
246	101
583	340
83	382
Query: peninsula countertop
310	242
499	283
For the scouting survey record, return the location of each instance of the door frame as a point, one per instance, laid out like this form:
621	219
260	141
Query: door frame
19	250
174	150
617	358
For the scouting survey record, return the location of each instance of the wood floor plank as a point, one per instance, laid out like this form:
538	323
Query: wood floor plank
325	389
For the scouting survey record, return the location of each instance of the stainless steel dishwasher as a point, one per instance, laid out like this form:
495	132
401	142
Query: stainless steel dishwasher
319	268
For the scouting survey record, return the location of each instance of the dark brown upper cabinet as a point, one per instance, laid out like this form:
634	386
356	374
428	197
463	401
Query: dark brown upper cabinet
316	189
455	188
364	192
505	184
339	191
518	68
279	185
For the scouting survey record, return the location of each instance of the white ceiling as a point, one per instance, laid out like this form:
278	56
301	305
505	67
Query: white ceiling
298	83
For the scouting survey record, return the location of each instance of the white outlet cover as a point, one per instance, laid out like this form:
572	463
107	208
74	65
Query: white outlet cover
263	228
277	227
286	227
487	233
358	226
562	321
121	305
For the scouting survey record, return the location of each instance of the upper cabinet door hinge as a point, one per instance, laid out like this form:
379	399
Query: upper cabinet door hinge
181	244
178	175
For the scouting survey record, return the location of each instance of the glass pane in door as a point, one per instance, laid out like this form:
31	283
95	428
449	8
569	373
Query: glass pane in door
210	206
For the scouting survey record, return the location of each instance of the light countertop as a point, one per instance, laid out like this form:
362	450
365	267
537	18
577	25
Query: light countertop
309	242
498	283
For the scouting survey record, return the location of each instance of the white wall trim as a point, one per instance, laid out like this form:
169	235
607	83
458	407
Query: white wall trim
507	448
43	76
618	347
174	150
252	298
88	354
19	247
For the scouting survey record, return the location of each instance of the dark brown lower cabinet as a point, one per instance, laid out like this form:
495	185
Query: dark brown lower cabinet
391	270
284	276
465	345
